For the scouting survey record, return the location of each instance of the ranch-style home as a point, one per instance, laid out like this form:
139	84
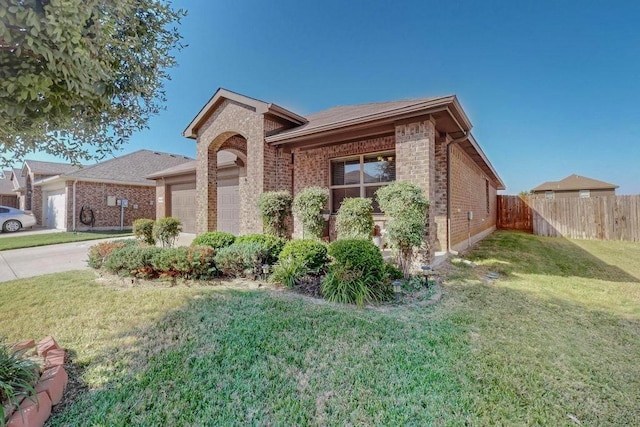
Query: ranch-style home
351	150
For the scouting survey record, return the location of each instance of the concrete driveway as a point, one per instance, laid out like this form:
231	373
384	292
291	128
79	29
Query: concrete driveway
31	262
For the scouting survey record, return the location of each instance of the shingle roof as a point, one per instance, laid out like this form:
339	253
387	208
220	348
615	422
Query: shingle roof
131	168
18	178
574	182
347	113
225	158
49	168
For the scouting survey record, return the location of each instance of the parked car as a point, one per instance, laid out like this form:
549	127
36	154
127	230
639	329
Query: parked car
13	219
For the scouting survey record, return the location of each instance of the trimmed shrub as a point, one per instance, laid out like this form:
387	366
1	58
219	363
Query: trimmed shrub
407	207
193	262
275	208
357	274
272	245
355	219
242	259
311	253
215	239
143	230
166	230
98	253
132	260
308	206
288	270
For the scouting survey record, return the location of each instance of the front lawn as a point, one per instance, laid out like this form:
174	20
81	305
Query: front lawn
553	341
32	240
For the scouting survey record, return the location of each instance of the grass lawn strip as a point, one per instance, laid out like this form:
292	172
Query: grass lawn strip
29	241
554	340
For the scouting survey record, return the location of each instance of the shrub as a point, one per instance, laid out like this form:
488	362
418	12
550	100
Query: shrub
242	259
166	230
272	245
392	272
100	252
311	253
287	270
132	260
18	376
193	262
357	274
275	208
143	230
355	219
406	206
307	206
215	239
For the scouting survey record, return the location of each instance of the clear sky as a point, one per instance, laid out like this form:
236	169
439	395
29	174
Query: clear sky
552	87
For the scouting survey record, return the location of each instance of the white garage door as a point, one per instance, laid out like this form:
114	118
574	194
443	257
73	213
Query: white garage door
229	205
56	212
183	205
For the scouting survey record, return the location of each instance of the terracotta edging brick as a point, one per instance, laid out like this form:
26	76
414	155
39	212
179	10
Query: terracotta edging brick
50	386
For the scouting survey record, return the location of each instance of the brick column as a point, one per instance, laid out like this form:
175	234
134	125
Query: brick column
415	156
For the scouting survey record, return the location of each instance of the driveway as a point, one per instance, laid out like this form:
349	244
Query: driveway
31	262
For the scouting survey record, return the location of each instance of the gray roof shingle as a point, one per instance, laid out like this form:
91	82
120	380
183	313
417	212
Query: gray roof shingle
574	182
49	168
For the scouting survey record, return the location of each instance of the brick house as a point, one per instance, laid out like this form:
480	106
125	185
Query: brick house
574	186
351	150
90	197
8	196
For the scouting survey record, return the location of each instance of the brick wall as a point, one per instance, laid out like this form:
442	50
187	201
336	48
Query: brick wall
468	193
94	195
9	200
36	197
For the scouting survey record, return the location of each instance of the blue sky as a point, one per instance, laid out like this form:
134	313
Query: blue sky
551	87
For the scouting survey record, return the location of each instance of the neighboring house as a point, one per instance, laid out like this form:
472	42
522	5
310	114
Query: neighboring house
575	186
33	171
352	151
8	196
19	187
91	197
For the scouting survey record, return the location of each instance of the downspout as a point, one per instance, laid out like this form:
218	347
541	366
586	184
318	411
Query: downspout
449	146
74	206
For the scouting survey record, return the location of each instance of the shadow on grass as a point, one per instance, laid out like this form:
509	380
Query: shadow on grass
509	252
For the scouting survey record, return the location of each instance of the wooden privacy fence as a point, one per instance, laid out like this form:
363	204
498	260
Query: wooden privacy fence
602	218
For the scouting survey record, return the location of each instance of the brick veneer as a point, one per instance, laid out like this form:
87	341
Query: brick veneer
94	195
468	193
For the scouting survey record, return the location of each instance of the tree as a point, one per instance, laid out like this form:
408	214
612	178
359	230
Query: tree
79	77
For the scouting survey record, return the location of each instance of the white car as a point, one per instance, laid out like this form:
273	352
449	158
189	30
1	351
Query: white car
13	219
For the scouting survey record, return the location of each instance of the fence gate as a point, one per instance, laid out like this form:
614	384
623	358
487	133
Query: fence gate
514	214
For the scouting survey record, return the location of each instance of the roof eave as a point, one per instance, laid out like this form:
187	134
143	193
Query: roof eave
476	146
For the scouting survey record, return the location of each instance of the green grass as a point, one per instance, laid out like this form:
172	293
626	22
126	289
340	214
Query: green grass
556	338
29	241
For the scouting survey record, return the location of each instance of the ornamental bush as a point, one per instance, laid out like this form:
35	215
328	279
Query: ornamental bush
214	239
355	219
311	253
275	208
193	262
166	230
18	376
406	206
359	254
288	270
241	259
307	207
271	245
143	230
132	260
99	253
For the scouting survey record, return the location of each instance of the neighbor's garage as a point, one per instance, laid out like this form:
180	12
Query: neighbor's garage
55	209
183	205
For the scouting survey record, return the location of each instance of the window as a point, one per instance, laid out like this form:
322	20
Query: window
585	194
361	176
548	194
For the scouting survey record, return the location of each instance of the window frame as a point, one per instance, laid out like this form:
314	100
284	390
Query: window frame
584	194
549	194
361	185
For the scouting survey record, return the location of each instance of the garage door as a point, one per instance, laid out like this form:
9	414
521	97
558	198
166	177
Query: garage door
229	205
56	210
183	205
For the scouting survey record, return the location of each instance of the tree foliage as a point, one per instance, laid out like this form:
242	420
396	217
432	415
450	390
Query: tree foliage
275	208
355	219
406	206
79	77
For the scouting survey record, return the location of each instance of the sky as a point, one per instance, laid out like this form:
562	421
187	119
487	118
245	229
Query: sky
551	87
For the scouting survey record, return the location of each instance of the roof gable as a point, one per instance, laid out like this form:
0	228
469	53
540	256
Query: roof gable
575	182
259	106
37	167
